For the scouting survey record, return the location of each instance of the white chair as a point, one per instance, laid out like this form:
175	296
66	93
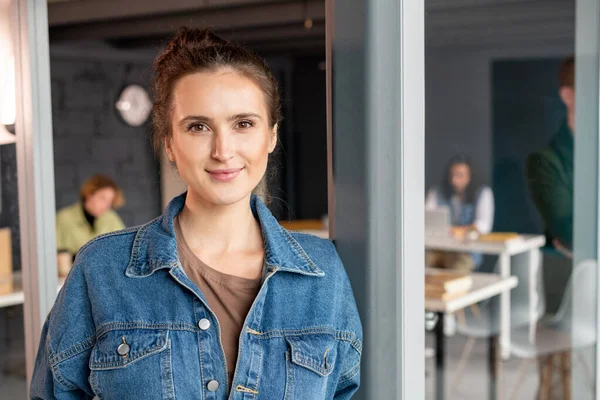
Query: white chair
484	323
573	327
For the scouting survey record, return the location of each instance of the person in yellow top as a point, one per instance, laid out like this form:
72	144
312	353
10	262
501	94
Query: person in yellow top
81	222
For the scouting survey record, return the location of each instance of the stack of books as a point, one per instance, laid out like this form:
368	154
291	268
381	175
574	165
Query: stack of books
443	284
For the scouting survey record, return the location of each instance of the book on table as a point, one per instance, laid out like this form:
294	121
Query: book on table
446	284
498	237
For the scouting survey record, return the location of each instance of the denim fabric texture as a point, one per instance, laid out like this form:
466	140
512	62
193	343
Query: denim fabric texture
126	323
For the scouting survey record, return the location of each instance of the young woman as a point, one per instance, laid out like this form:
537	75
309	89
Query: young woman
92	216
471	206
214	299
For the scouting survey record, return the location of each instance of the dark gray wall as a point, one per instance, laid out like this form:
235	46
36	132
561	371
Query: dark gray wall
457	111
90	137
310	138
527	114
458	101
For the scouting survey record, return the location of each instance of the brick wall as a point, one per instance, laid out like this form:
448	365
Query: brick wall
90	137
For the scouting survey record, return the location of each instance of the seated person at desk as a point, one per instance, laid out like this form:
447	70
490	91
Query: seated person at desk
79	223
471	206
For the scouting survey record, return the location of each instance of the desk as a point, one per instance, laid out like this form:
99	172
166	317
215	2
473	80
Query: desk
484	287
310	226
504	249
17	296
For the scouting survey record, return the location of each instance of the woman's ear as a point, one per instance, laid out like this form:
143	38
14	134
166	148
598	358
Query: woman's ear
273	141
169	149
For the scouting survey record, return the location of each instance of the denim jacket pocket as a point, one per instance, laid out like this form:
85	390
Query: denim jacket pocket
316	352
132	364
311	359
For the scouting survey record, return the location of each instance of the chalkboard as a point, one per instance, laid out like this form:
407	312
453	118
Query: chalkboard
9	212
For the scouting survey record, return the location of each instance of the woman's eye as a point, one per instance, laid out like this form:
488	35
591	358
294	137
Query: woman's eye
245	124
197	128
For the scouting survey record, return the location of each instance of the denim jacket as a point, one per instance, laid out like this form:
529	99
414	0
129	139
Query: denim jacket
129	324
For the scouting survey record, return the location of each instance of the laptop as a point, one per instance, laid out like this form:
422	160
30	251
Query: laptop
437	222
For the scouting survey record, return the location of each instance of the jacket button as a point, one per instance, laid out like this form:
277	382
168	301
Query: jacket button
204	324
123	349
212	386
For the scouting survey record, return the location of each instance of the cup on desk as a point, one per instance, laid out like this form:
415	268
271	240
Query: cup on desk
64	261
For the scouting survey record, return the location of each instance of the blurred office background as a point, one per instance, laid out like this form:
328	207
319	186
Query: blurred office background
490	92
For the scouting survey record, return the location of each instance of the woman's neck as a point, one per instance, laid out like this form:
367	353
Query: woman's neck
459	196
219	229
88	217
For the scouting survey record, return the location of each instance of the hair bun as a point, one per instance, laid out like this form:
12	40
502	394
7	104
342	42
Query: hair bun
197	38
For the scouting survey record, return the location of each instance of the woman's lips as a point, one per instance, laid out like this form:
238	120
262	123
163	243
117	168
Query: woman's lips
225	175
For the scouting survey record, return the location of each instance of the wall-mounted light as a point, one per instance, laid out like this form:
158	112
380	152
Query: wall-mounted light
308	21
7	77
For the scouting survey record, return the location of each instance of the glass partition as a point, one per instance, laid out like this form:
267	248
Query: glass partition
512	198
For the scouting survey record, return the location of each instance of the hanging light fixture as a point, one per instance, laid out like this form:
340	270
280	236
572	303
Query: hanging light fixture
7	77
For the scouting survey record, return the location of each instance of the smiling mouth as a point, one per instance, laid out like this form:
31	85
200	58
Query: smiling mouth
225	175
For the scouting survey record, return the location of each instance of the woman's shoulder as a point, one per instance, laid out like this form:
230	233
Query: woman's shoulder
322	252
113	245
110	214
485	190
314	244
335	280
67	211
111	220
433	190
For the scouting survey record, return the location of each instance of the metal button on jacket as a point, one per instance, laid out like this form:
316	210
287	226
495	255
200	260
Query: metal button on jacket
123	349
204	324
212	386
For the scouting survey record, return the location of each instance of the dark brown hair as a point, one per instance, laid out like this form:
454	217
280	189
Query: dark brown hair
566	73
473	188
98	182
197	50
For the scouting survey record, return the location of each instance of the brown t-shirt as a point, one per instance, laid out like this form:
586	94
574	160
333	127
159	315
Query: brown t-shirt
229	297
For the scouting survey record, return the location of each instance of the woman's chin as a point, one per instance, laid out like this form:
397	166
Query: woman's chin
224	197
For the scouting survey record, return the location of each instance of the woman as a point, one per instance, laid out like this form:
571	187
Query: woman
214	299
471	206
92	216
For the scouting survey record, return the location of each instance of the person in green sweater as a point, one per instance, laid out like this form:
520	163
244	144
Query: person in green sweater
93	215
550	171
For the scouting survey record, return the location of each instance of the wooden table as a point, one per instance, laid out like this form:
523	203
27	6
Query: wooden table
504	249
311	226
484	287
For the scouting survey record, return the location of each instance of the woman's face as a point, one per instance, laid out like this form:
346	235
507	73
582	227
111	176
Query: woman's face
460	177
221	138
100	201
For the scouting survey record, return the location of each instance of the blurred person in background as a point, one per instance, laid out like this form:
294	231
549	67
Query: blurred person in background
471	206
214	299
90	217
550	171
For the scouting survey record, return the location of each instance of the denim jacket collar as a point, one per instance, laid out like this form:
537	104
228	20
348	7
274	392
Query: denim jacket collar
155	245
